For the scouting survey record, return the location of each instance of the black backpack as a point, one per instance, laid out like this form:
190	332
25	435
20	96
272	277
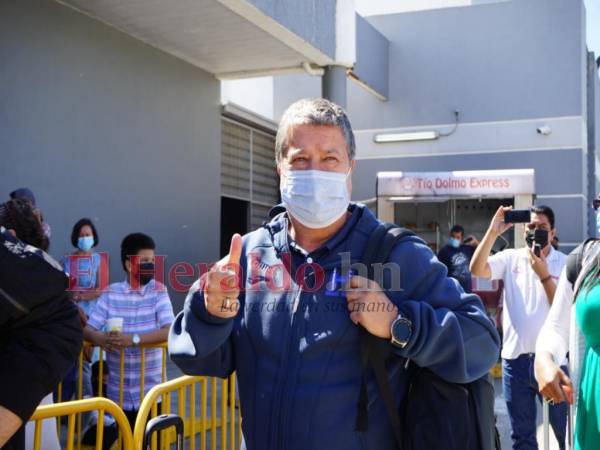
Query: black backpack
436	414
575	260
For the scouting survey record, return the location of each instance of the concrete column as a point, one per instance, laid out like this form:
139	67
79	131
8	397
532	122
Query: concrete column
522	201
385	210
333	85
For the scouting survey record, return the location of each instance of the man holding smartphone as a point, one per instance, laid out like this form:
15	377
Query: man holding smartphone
529	275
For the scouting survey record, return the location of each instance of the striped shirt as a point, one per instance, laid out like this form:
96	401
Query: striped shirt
143	310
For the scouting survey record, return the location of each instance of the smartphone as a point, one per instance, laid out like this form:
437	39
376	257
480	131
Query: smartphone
540	237
517	216
537	250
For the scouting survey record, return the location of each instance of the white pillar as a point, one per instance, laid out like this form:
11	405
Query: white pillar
385	210
522	201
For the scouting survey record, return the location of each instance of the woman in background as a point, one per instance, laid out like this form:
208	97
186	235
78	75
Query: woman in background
573	325
83	265
83	268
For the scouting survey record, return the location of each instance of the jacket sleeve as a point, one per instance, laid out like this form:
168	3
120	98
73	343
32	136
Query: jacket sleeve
451	335
554	335
199	343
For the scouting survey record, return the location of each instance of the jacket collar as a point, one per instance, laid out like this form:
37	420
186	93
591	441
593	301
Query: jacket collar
361	218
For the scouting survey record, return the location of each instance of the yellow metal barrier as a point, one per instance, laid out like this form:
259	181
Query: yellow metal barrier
76	407
198	420
230	432
101	362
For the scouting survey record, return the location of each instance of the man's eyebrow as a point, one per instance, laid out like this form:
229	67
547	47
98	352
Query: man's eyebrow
294	150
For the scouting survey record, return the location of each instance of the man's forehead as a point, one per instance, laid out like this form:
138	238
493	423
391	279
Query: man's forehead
539	218
313	132
296	150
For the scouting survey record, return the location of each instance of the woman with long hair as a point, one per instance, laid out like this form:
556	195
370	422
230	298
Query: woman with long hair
573	326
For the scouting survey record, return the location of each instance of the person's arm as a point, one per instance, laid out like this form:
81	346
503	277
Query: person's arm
119	341
96	322
479	266
164	318
451	333
199	343
86	296
9	424
200	338
553	342
540	267
96	337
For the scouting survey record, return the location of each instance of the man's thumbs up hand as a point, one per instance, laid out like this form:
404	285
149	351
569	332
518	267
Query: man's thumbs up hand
221	290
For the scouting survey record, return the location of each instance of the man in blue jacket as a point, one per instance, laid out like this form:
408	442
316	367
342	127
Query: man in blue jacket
272	311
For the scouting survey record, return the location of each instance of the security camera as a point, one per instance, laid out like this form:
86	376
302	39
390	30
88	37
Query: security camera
544	129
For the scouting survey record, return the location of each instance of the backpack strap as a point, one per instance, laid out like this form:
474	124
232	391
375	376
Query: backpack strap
575	262
374	350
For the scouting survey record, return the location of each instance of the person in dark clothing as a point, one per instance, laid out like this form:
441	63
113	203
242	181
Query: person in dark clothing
271	310
27	194
40	329
456	256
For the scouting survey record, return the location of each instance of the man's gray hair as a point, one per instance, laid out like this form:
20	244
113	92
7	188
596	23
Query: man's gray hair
313	111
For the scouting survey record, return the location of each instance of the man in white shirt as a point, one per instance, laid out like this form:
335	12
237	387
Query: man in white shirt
529	287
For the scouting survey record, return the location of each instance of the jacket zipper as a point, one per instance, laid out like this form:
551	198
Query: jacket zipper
279	422
284	406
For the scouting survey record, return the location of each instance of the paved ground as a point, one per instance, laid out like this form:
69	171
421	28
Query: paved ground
500	408
504	423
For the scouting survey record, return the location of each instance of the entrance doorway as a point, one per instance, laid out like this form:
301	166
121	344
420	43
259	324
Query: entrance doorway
234	219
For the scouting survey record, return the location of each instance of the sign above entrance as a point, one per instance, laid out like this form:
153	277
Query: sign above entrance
496	183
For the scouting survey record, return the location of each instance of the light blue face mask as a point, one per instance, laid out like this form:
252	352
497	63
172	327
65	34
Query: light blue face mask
453	242
598	223
85	243
315	198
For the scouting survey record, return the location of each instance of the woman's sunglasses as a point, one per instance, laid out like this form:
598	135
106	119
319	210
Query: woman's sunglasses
596	203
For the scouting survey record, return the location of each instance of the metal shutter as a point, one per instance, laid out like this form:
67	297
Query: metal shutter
248	168
235	160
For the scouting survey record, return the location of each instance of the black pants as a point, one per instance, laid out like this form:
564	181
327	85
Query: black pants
111	433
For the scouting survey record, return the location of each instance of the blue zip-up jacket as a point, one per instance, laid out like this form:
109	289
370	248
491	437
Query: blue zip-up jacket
296	352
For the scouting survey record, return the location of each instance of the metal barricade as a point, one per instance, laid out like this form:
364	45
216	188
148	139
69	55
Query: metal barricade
207	424
76	408
546	426
101	364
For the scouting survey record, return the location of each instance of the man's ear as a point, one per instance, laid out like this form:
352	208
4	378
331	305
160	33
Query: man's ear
128	265
13	232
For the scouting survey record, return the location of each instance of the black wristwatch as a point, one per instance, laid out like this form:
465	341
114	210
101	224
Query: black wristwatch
401	331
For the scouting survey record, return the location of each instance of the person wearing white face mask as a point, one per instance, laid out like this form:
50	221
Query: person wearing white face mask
277	311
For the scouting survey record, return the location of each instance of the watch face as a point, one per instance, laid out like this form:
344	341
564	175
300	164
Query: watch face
401	330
